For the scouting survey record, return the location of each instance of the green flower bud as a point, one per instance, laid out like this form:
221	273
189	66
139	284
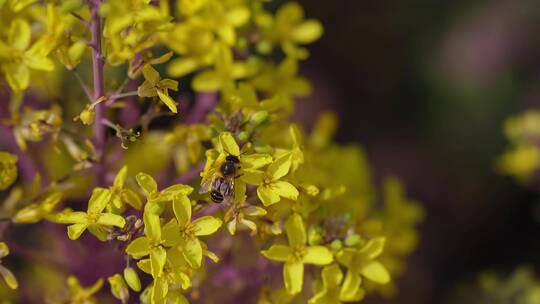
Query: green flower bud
132	279
315	236
243	136
119	288
353	240
258	117
336	244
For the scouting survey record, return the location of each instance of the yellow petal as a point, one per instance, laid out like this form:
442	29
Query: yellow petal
285	189
182	66
318	255
267	196
19	34
307	32
110	219
151	74
147	183
77	217
296	233
192	251
39	63
152	226
182	210
206	225
139	247
8	276
74	231
256	160
280	167
351	286
99	200
120	178
167	100
207	82
376	272
293	275
279	253
228	143
332	276
17	76
158	256
252	177
373	248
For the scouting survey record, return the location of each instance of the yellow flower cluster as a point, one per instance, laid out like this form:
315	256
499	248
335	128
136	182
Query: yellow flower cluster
234	166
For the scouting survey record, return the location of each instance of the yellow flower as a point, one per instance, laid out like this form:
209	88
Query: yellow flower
122	196
288	29
152	244
79	294
8	276
8	169
362	262
93	219
154	86
297	254
270	188
17	57
332	292
184	233
224	73
39	210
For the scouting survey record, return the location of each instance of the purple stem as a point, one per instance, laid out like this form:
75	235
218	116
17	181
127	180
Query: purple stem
97	69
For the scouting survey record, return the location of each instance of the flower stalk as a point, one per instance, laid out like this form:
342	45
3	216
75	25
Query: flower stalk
99	90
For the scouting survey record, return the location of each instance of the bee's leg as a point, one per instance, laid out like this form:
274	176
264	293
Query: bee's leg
239	175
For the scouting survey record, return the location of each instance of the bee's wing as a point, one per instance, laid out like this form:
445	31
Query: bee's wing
227	189
206	183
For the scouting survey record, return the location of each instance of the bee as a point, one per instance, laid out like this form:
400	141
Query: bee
220	183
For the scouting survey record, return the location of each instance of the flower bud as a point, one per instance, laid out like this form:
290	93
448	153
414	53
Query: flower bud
258	117
353	240
336	244
132	279
87	116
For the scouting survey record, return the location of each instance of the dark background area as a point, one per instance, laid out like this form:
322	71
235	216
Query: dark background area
425	86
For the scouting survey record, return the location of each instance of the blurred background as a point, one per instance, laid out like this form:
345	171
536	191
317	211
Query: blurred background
425	86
